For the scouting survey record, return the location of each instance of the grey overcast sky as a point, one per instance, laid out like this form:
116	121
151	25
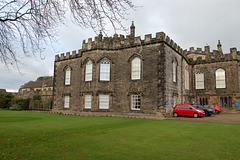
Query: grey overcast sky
190	23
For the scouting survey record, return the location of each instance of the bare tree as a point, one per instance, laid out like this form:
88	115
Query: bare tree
27	25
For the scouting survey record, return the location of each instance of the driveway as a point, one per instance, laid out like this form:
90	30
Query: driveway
222	117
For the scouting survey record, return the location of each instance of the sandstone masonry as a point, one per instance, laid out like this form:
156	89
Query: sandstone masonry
166	76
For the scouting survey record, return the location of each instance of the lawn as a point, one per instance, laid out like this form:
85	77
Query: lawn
32	135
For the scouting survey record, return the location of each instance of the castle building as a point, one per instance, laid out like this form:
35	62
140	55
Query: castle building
130	76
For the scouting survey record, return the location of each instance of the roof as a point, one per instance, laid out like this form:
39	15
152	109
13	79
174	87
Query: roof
3	91
38	84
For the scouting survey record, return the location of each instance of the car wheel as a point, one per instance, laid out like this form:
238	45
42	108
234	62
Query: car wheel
195	115
206	113
175	114
217	112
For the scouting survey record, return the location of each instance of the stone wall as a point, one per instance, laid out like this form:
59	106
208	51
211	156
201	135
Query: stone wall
210	91
152	85
120	87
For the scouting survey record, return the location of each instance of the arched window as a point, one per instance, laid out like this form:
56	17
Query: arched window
88	71
174	71
67	76
199	80
104	70
136	68
220	78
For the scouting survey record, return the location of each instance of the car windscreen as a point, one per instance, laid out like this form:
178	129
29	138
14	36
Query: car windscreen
193	107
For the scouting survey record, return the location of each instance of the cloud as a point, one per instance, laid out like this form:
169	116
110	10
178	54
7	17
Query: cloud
189	23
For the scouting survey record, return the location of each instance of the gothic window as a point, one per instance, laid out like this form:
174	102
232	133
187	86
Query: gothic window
103	101
66	101
88	73
174	71
199	80
186	78
88	101
136	102
220	78
136	68
67	76
104	70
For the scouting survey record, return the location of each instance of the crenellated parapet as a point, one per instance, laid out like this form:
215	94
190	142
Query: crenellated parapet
199	56
68	55
119	42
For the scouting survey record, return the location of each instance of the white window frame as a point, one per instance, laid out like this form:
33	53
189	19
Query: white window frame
136	69
88	101
103	101
68	76
66	101
105	70
88	71
220	78
136	102
199	80
174	71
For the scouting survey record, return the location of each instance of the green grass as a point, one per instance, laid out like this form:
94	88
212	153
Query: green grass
32	135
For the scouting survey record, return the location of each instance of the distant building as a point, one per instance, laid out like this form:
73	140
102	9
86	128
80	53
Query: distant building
3	91
42	87
131	76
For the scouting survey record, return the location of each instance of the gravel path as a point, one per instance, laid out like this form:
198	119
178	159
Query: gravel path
222	117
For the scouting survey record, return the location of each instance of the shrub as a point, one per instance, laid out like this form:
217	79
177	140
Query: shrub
36	97
5	99
20	104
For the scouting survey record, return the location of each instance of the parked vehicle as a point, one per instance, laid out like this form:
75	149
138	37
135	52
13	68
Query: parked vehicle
208	111
187	110
215	107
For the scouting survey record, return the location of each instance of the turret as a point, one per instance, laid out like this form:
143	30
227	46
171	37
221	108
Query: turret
132	30
100	36
219	46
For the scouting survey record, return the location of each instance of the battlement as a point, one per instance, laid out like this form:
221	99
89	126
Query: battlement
118	42
199	56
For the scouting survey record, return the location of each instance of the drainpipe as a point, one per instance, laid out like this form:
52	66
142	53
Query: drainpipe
193	83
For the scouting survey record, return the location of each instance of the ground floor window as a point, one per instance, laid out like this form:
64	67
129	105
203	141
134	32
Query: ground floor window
203	101
66	101
88	101
225	101
103	101
136	102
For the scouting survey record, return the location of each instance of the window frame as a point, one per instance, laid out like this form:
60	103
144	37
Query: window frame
67	78
87	102
102	101
136	102
199	80
136	68
220	79
174	71
66	102
88	71
103	70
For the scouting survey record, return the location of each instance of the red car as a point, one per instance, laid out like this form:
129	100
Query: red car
187	110
215	107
